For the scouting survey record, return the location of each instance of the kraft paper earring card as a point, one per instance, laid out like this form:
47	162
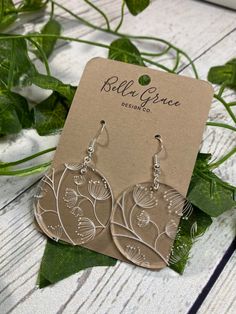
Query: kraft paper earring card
81	205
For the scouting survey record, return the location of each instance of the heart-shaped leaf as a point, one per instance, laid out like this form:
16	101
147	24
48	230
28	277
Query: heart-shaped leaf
124	50
137	6
224	74
12	72
50	114
14	113
50	82
207	191
62	260
52	27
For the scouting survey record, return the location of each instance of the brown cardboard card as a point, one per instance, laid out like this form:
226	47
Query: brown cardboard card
77	208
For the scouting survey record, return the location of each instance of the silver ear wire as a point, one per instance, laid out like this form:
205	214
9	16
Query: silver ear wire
91	148
158	137
156	163
103	125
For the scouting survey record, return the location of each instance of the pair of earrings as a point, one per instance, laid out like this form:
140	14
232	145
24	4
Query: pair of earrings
75	204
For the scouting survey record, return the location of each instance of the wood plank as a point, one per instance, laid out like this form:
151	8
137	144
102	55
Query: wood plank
11	146
182	16
123	288
221	299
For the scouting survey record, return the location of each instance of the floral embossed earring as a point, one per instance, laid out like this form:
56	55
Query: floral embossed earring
145	220
74	203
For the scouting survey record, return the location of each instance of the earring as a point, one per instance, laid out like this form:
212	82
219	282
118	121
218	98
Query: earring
145	219
74	203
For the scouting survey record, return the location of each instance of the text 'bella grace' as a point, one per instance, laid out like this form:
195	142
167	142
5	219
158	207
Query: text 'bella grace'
148	96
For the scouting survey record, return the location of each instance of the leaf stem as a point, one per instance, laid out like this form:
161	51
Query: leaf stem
222	88
20	161
115	33
223	159
225	104
221	125
159	65
177	62
99	11
205	176
43	55
159	54
97	44
26	171
52	11
122	16
12	66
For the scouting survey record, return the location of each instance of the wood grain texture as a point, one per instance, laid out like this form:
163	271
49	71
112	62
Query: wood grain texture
123	288
11	147
221	299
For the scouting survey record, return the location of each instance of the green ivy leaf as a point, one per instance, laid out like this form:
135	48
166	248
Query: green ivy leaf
16	68
137	6
224	74
14	113
50	114
52	27
50	82
62	260
32	5
207	191
8	13
189	231
118	49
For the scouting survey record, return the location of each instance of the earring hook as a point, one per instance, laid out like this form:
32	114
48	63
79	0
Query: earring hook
158	137
90	150
156	164
103	125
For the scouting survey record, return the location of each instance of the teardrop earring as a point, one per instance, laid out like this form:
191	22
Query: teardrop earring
74	202
145	219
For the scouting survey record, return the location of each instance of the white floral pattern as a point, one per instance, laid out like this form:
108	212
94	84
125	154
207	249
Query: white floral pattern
99	190
171	229
73	166
77	211
143	197
134	255
141	216
178	204
67	188
143	219
40	193
56	231
86	229
71	197
79	180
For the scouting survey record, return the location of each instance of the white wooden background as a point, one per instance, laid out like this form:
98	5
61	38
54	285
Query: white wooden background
208	34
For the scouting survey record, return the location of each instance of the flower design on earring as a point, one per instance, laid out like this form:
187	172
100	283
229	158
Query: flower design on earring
57	231
143	197
73	166
98	190
134	254
171	229
71	197
143	219
79	180
77	211
86	229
